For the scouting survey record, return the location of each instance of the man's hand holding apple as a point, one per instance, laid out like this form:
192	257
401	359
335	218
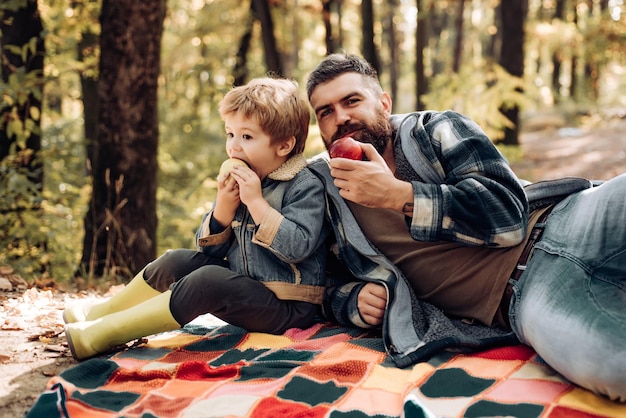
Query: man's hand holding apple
370	183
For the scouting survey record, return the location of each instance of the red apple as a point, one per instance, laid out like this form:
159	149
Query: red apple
346	147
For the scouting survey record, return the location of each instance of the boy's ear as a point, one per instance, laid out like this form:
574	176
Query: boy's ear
286	146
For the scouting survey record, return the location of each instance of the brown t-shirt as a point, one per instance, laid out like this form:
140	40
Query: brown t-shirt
463	281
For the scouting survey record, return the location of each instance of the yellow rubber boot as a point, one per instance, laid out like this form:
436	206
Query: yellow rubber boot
91	338
136	291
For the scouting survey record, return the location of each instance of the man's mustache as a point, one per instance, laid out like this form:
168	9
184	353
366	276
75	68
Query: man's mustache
345	129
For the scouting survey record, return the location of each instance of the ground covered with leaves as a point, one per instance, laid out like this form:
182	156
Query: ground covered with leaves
32	342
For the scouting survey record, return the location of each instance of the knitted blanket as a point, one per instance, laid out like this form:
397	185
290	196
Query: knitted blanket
323	371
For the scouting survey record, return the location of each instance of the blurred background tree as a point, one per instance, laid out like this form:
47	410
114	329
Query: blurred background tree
121	222
71	213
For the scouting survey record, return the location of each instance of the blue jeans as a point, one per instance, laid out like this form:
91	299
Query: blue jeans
570	303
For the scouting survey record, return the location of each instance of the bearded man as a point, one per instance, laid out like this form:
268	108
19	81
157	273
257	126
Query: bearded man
439	247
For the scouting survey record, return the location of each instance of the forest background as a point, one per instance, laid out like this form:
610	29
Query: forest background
110	139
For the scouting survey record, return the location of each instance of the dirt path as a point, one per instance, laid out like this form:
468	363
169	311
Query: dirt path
597	153
31	339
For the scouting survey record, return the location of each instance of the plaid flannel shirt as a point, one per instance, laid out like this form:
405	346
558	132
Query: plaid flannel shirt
464	191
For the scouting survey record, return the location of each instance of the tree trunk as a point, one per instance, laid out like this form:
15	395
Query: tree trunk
573	87
240	71
437	27
421	42
393	45
272	58
458	45
369	45
513	16
89	88
557	56
493	42
121	224
592	66
329	39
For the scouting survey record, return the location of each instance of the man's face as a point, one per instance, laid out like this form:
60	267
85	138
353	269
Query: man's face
346	106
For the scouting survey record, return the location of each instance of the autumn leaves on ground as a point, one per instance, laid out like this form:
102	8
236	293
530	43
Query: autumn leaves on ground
32	343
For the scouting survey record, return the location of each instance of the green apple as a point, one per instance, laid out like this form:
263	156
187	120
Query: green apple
228	165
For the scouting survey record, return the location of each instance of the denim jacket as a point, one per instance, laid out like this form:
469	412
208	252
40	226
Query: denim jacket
287	250
458	176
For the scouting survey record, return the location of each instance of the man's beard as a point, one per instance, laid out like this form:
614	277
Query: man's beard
378	134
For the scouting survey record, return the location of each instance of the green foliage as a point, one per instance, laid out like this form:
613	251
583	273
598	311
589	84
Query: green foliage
12	5
23	235
186	191
40	232
15	95
605	40
66	193
44	228
21	232
594	42
479	92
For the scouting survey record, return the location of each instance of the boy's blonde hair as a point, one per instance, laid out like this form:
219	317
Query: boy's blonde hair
279	108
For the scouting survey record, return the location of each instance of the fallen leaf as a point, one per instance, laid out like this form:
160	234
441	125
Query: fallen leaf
55	348
6	270
5	284
49	371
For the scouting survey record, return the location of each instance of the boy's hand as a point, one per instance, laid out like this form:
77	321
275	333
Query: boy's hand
248	182
227	200
372	301
250	192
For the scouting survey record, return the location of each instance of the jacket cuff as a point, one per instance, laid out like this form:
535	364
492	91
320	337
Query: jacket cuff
214	239
268	228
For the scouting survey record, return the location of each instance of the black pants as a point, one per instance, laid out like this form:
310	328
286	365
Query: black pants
201	284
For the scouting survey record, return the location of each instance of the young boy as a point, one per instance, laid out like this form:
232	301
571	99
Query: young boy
261	254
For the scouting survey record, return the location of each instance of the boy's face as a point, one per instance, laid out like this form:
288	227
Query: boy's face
246	141
346	106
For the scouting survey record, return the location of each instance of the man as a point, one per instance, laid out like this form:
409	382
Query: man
433	225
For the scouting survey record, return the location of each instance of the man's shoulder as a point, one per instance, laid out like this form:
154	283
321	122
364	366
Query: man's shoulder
423	119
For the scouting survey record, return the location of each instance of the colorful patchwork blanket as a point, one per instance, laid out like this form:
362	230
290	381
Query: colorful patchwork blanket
323	371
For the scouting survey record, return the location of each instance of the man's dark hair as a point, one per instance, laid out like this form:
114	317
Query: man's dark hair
335	65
